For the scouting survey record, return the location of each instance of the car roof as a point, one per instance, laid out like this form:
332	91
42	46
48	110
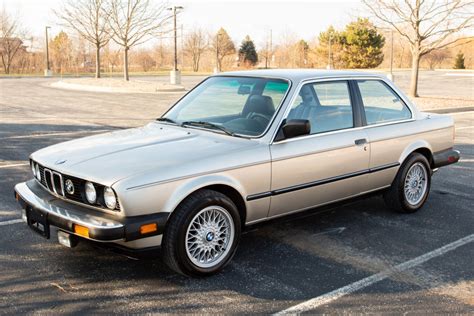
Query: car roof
297	75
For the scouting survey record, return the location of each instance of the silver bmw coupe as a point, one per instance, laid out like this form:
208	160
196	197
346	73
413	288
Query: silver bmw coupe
240	148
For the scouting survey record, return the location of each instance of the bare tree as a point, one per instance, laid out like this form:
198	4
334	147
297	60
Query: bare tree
266	52
111	57
11	42
427	25
134	22
194	45
90	18
435	58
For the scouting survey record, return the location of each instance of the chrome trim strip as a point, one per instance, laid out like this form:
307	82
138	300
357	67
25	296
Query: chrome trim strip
319	182
45	178
60	182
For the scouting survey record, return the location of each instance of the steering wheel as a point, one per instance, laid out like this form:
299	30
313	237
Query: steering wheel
257	116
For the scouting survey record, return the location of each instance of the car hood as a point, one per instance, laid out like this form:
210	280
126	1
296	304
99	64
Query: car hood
110	157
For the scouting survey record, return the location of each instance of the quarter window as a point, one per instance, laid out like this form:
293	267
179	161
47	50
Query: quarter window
327	106
381	104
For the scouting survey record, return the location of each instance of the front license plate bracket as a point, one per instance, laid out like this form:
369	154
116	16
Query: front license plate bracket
38	222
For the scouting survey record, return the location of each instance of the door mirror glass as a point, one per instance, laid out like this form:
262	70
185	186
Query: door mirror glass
294	128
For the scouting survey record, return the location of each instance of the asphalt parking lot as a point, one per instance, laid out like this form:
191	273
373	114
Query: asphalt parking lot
356	258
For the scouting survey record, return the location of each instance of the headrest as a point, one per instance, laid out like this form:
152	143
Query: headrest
262	104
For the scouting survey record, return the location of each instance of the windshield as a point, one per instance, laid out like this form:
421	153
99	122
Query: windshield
234	105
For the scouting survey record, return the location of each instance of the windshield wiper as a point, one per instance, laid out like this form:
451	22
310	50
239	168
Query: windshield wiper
208	125
168	120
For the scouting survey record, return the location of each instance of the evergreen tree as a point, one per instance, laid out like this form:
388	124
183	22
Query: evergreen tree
362	45
247	53
459	61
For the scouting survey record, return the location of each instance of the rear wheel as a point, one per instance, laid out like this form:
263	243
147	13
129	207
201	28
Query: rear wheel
202	235
410	189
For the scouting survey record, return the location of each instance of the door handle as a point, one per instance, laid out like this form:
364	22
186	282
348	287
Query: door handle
360	142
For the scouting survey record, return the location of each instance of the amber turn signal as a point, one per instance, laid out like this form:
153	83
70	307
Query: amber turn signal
81	230
148	228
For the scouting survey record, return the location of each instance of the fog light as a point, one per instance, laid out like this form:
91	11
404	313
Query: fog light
66	239
81	230
148	228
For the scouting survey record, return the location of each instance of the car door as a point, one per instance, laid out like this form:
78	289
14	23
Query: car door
389	129
329	164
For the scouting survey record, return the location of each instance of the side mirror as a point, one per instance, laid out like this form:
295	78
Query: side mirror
293	128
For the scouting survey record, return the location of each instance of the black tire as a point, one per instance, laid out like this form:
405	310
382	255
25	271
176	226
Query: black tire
174	237
395	197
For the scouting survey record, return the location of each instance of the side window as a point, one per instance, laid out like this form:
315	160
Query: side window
381	104
327	106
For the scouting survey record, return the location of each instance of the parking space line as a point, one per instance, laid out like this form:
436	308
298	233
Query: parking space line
14	165
10	222
358	285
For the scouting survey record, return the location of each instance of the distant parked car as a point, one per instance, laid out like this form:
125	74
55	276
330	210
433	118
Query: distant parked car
240	148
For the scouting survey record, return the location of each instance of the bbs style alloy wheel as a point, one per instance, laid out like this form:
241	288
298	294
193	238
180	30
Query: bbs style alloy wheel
202	234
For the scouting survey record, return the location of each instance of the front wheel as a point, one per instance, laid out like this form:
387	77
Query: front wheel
411	186
202	235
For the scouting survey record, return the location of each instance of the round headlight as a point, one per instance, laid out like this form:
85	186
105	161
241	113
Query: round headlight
37	172
109	198
91	194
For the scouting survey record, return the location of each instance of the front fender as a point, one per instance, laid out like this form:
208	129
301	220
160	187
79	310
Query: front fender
188	187
166	196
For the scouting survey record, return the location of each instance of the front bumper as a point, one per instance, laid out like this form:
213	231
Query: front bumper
65	215
445	157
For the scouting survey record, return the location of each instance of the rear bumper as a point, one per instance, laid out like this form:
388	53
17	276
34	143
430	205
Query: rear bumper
445	157
102	227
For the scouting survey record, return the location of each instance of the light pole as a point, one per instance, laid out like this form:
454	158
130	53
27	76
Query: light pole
175	75
217	53
391	55
329	52
271	49
390	75
47	71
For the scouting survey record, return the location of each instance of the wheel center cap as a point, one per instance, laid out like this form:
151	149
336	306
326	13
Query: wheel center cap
414	184
209	236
